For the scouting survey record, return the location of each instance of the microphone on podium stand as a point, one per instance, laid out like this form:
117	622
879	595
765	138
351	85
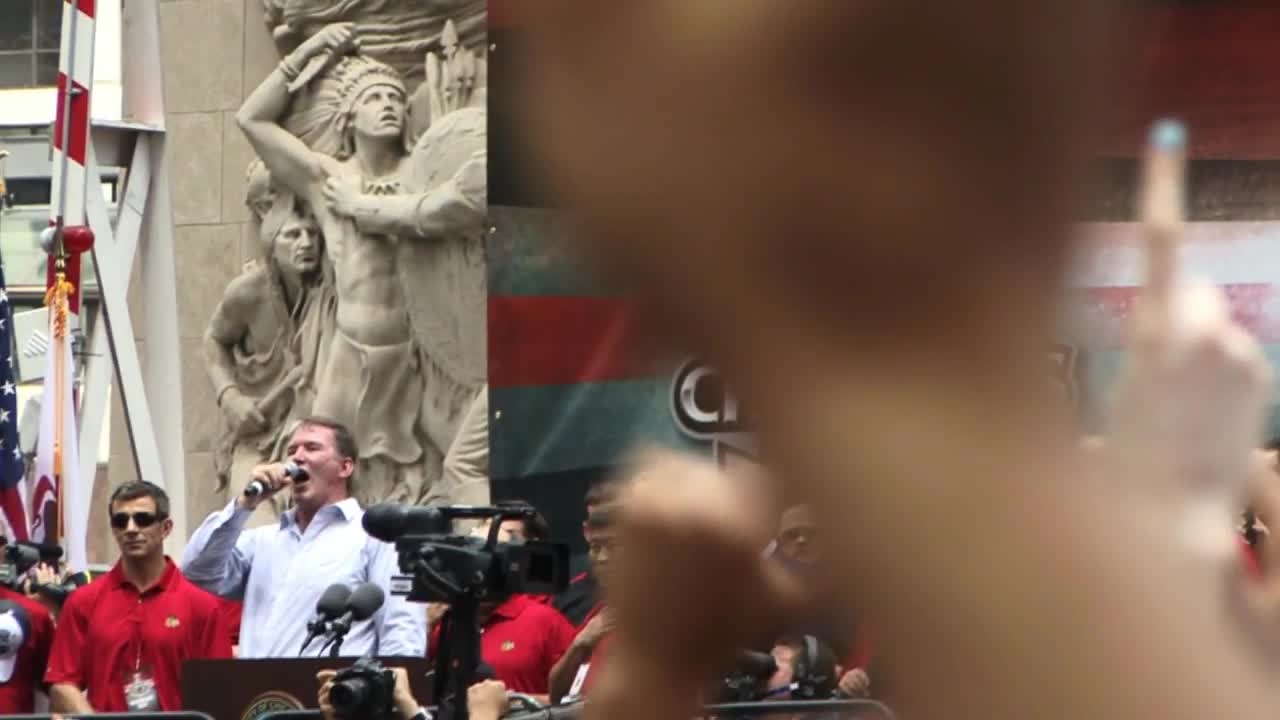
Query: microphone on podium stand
332	603
295	473
365	600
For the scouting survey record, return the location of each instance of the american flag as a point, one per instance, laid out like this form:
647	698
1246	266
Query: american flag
12	468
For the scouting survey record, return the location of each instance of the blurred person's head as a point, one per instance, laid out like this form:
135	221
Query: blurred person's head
140	522
600	533
517	530
799	539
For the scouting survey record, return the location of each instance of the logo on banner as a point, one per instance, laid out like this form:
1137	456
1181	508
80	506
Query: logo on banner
705	409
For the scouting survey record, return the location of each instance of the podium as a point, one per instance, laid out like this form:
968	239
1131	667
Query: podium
251	689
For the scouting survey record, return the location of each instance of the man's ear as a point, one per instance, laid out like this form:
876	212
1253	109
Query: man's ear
348	468
166	527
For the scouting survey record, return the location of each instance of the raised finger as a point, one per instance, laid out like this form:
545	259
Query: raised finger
1161	209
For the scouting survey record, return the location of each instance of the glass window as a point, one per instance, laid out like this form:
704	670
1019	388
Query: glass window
47	68
15	31
25	264
15	70
30	33
48	24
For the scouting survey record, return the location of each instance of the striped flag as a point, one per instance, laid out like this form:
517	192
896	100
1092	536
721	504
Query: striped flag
12	469
71	130
60	499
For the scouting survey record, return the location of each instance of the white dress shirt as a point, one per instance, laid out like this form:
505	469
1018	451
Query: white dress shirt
281	572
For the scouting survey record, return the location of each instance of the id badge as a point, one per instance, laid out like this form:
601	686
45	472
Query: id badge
140	693
579	680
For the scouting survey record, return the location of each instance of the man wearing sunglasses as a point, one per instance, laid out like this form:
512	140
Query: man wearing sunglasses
121	639
280	570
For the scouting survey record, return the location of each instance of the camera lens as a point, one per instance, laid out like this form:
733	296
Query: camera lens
349	694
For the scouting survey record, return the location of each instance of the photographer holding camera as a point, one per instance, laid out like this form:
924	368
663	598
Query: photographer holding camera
486	700
26	635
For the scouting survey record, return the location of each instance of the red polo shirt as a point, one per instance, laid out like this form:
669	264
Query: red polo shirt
107	630
598	654
521	641
23	669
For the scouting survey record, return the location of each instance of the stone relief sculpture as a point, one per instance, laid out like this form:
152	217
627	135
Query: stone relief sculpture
396	32
400	343
261	344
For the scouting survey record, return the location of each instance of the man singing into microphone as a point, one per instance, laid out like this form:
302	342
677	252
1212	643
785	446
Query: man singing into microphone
281	570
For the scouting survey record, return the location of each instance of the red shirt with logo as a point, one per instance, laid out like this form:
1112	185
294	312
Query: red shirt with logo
108	631
22	667
522	640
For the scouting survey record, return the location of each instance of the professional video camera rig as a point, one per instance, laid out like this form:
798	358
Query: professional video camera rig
461	571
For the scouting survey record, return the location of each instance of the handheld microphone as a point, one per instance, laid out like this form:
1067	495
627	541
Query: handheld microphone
295	473
365	600
332	602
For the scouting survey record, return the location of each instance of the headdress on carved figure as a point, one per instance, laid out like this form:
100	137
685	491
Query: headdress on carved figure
324	109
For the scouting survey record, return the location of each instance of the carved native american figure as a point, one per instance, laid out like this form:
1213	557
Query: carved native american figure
262	342
403	363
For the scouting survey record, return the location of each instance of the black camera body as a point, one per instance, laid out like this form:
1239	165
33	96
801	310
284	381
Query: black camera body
441	566
20	557
447	567
463	571
364	690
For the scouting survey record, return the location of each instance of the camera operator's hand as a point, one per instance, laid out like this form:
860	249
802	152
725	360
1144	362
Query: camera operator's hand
325	678
273	476
595	630
487	700
436	611
406	705
855	684
47	574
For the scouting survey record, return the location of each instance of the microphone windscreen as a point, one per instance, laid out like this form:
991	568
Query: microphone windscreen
294	472
365	601
384	521
333	601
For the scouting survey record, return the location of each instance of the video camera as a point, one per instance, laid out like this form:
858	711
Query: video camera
364	690
463	571
749	679
446	567
20	557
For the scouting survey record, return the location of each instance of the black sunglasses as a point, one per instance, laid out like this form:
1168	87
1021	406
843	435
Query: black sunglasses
120	520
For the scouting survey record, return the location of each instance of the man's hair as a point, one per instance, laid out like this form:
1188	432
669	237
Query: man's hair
141	489
536	527
602	492
343	441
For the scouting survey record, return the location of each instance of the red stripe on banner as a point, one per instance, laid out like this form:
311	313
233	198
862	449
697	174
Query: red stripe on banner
1210	65
79	120
1106	312
559	340
84	6
11	505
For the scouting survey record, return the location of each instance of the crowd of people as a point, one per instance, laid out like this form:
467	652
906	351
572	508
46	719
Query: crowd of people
117	643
